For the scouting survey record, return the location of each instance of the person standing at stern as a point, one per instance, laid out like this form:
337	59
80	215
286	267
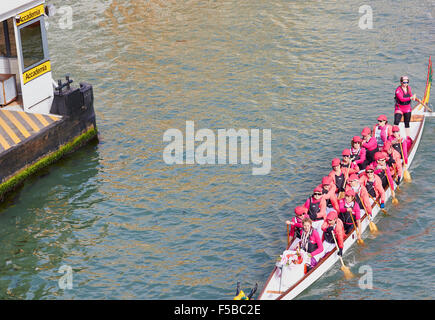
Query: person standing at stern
403	97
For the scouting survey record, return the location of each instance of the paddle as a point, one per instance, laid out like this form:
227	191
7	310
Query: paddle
341	193
394	201
346	270
424	105
372	225
359	241
406	174
383	210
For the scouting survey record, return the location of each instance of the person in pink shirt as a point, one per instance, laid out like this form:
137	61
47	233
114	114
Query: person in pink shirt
346	162
338	175
373	184
361	194
348	207
328	191
370	144
331	225
358	154
403	97
311	242
296	223
382	130
316	206
383	171
395	161
396	140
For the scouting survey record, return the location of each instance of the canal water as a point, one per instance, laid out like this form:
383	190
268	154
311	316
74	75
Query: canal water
130	226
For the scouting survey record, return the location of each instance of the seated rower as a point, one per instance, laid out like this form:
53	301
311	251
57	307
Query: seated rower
338	175
331	225
346	162
396	140
370	144
373	184
296	225
311	242
316	206
358	154
382	170
328	191
382	130
361	194
348	207
394	161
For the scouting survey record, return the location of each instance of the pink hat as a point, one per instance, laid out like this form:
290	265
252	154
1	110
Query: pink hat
356	139
366	131
300	210
396	128
370	167
346	152
382	117
326	180
350	192
318	189
331	215
379	155
335	162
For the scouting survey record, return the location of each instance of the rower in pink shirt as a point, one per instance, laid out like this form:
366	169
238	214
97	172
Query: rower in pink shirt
395	161
373	184
361	194
357	153
382	130
346	162
328	191
370	144
382	170
296	223
316	206
396	140
348	207
338	174
311	242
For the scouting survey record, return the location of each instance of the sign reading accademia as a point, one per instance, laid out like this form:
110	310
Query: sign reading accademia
31	14
36	72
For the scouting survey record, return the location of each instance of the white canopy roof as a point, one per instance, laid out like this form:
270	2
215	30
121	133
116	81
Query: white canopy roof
10	8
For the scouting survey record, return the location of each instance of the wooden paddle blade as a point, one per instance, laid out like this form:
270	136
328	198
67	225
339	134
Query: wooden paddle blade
347	273
395	201
361	242
373	227
407	176
340	195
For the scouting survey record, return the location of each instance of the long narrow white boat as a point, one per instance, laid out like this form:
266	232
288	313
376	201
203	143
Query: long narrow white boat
289	281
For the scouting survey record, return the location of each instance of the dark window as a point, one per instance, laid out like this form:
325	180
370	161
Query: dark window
32	45
7	39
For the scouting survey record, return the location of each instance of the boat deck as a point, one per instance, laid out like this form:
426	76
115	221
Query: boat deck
17	126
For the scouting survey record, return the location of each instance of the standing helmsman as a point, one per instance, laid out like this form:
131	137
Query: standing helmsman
403	97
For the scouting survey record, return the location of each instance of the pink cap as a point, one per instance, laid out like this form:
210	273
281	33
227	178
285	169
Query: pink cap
335	162
396	129
346	152
370	167
379	155
332	215
318	189
350	192
382	117
356	139
353	176
326	180
300	210
366	131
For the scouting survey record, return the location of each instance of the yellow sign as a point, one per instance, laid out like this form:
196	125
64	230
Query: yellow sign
31	14
36	72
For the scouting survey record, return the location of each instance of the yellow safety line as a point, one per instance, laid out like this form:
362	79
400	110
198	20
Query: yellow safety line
9	131
29	121
16	123
41	118
54	118
4	143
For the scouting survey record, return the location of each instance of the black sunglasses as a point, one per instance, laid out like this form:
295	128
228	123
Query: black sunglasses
317	194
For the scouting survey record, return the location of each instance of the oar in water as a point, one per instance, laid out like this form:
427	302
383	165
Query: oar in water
372	225
406	174
346	270
359	241
394	201
382	209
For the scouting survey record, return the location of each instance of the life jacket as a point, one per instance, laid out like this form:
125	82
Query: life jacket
370	186
313	210
339	182
384	178
345	216
358	198
298	230
328	235
357	155
390	161
306	243
378	135
328	201
397	148
405	95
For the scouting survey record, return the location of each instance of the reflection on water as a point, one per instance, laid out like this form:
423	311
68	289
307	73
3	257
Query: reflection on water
132	227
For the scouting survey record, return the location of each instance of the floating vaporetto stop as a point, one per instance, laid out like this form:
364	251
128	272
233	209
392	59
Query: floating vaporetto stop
40	119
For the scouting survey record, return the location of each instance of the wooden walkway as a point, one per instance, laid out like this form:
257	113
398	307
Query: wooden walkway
17	126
